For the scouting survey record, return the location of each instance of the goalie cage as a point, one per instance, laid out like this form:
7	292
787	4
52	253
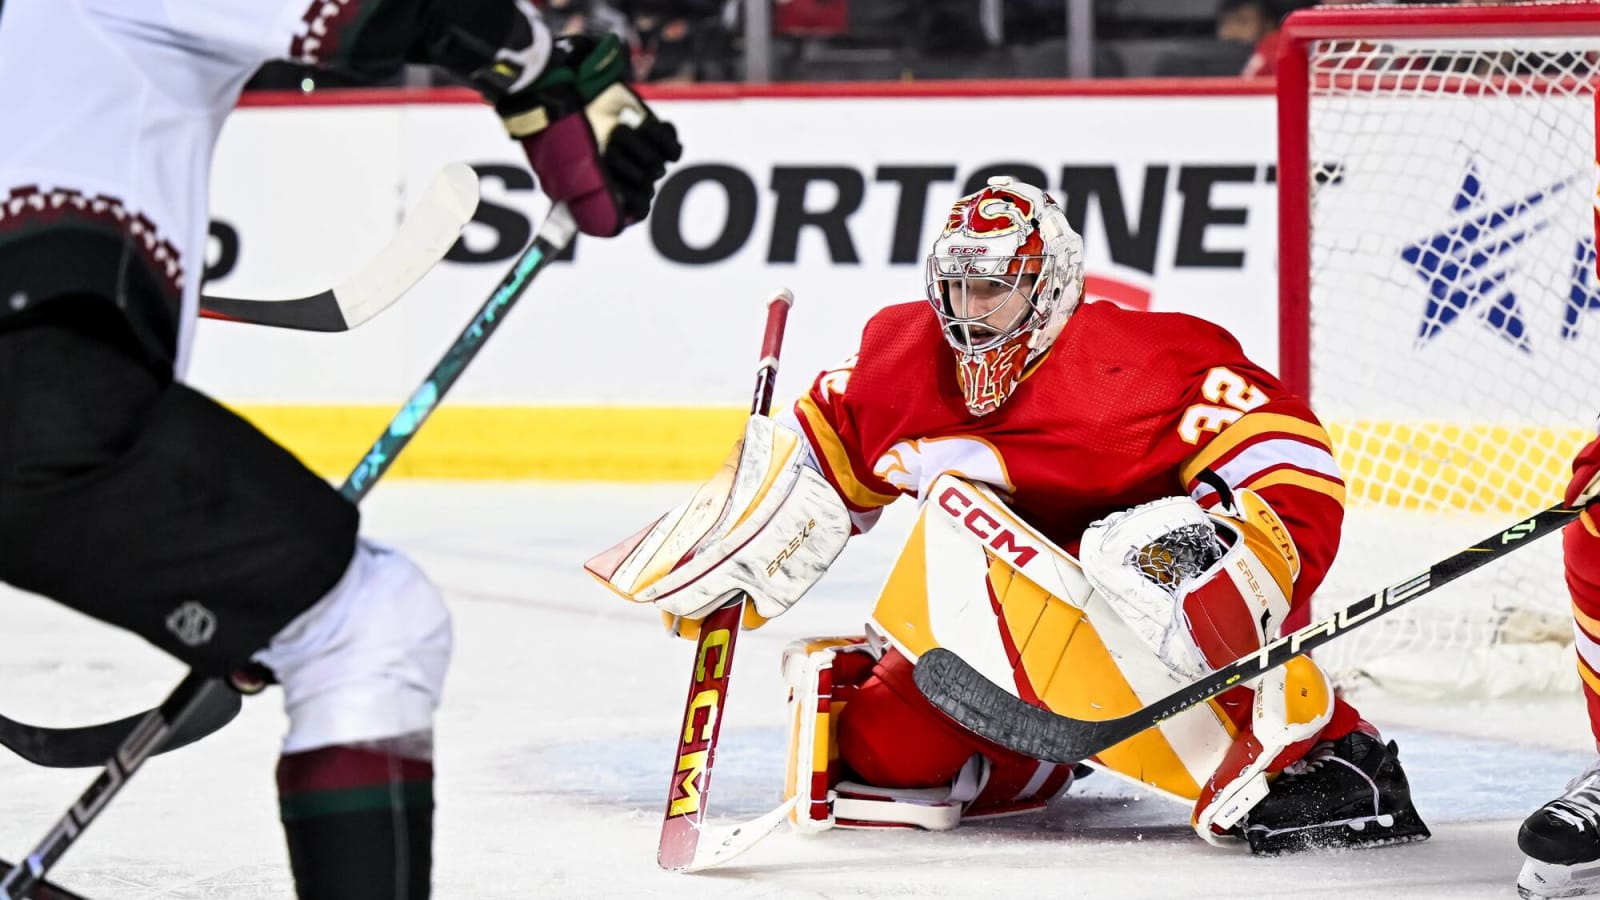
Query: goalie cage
1441	310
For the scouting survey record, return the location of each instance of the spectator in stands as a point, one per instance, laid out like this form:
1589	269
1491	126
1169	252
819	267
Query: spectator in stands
682	41
1253	23
588	16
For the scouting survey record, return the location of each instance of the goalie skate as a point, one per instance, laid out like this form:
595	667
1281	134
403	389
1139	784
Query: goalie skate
1562	841
1345	793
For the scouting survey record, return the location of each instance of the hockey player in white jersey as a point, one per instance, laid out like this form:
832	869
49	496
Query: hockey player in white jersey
130	497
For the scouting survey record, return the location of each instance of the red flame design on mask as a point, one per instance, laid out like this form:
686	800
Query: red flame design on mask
988	378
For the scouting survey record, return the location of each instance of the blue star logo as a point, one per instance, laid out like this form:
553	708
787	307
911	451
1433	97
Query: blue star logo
1466	265
1584	295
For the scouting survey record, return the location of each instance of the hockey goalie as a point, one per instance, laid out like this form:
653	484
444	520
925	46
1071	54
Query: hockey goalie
1112	504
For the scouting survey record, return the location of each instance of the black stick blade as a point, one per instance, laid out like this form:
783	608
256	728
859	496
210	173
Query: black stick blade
89	746
318	313
987	710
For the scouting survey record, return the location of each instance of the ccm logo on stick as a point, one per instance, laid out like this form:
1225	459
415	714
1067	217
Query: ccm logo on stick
710	681
987	528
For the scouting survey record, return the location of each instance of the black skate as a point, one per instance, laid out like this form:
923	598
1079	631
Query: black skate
1562	840
1345	793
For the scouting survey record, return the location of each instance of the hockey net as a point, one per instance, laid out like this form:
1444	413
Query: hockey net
1442	312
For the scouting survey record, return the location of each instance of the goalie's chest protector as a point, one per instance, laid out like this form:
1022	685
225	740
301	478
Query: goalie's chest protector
1093	428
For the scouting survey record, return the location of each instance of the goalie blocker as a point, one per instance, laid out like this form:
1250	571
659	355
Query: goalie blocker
766	524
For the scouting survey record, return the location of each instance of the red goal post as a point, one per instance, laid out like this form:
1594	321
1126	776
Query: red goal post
1440	309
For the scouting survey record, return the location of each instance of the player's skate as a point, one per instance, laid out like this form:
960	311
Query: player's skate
1562	840
1345	793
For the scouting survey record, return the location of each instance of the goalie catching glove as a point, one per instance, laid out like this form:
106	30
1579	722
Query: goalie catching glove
1202	589
766	524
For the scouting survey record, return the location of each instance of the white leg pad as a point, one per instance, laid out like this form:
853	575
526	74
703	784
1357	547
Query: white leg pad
367	662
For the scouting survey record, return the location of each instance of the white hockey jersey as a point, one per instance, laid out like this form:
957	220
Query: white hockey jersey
111	111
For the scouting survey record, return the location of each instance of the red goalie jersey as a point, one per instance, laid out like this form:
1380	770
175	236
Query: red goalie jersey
1125	408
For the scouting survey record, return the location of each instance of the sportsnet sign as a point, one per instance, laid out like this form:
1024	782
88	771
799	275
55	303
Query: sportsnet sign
838	198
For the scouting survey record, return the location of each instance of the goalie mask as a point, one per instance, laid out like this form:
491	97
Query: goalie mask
1003	277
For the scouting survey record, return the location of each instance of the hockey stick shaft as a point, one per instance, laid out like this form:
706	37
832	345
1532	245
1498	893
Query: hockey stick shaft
992	712
197	691
713	661
428	232
45	890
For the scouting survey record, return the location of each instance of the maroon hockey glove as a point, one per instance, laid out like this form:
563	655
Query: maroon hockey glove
571	124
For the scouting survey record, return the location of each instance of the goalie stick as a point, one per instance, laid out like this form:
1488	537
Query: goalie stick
684	821
196	692
426	235
987	709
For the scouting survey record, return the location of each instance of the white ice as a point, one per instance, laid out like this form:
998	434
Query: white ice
557	734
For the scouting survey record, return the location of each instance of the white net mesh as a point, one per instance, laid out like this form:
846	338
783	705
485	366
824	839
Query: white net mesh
1455	339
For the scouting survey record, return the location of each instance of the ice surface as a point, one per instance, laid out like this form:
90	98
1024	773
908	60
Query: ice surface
557	733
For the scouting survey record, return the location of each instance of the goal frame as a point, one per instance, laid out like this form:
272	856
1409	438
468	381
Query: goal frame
1376	23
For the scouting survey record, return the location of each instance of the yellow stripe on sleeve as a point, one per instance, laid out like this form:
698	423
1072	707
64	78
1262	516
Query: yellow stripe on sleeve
1319	483
1589	678
1247	427
832	449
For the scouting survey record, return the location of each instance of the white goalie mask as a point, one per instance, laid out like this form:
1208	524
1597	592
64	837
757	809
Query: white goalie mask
1003	277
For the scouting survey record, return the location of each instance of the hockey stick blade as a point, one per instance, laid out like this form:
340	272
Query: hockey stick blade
87	746
718	845
43	890
988	710
427	234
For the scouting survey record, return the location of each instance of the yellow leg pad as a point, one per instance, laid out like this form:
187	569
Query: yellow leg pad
1096	689
1043	653
902	608
1021	601
950	575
